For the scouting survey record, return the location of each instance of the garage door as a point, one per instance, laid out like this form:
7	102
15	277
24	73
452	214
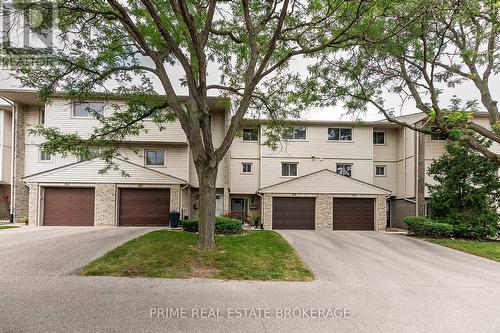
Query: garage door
141	207
68	206
293	213
353	214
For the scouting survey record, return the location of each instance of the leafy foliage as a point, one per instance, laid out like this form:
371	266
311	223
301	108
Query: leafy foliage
422	226
223	225
466	192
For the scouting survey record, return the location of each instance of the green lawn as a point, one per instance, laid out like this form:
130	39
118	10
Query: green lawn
486	249
258	255
8	226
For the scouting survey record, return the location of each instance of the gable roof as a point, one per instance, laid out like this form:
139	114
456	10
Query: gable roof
324	181
88	172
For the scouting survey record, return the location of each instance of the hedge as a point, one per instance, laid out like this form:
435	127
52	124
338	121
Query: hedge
223	226
422	226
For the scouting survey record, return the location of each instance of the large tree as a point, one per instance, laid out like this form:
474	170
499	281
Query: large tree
132	43
441	46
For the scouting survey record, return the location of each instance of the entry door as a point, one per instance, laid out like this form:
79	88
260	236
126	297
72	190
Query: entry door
239	205
219	207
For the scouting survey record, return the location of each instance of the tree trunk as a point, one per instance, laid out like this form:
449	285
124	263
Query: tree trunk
207	176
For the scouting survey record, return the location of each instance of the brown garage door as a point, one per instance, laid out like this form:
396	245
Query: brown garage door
140	207
293	213
353	214
68	206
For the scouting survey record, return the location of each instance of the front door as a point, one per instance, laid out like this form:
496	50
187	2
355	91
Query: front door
219	208
238	205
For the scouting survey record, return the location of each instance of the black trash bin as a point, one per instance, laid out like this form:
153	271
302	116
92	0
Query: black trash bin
174	218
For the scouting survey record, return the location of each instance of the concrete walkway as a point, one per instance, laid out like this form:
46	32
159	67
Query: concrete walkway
387	283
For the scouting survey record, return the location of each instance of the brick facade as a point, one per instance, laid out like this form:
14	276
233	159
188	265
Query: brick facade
4	203
105	205
21	191
400	209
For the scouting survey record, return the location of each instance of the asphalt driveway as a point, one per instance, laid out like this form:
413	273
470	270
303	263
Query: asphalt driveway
49	251
388	283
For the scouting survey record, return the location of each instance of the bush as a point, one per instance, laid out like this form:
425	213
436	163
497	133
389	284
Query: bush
468	231
422	226
223	226
190	225
227	226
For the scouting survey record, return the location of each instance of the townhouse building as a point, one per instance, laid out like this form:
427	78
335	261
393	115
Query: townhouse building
324	175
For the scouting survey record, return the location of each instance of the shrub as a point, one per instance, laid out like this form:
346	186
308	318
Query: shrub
190	225
223	226
234	215
422	226
227	226
468	231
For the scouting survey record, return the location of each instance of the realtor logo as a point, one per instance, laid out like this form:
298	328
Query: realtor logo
27	27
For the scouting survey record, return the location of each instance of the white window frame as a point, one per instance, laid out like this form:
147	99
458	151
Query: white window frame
289	176
243	172
385	136
341	163
40	152
250	128
384	167
293	134
339	140
90	116
155	165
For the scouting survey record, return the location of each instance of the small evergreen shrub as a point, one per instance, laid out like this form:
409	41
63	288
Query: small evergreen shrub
422	226
190	225
223	226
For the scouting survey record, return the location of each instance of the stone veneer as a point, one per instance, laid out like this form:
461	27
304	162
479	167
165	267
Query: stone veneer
105	205
33	204
324	211
21	191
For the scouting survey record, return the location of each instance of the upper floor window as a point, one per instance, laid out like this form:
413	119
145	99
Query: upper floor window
93	152
44	156
41	116
289	169
246	167
296	133
378	138
155	157
344	169
339	134
85	109
380	170
251	134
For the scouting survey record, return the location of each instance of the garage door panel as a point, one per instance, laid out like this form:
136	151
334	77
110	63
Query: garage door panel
140	207
353	214
68	206
293	213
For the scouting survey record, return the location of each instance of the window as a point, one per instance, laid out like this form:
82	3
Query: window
81	109
41	116
246	167
296	133
93	152
289	169
344	169
380	170
339	134
250	134
44	156
155	157
378	138
438	136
